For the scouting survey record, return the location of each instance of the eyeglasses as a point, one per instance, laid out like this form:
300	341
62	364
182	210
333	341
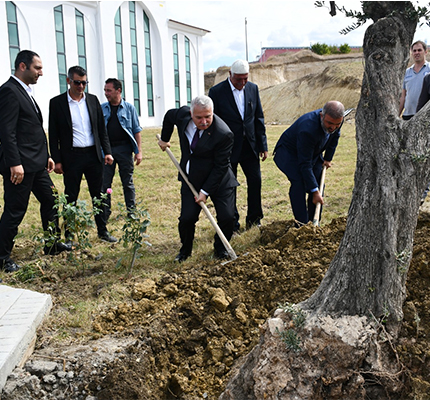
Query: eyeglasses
77	83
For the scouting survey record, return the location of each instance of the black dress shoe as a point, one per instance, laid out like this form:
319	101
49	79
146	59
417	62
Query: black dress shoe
256	223
57	248
222	255
181	257
106	237
9	265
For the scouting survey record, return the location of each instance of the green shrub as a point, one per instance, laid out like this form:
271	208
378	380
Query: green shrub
333	49
344	48
320	48
134	230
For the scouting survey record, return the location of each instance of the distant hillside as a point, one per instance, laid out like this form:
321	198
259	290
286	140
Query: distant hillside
293	84
285	102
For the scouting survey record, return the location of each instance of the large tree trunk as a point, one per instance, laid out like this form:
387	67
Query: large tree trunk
368	274
340	354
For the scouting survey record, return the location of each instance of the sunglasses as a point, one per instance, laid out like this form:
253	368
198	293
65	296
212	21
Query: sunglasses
77	83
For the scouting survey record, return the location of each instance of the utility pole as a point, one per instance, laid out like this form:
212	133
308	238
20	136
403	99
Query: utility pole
246	38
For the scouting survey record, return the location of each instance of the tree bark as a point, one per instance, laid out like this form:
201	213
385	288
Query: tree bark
368	274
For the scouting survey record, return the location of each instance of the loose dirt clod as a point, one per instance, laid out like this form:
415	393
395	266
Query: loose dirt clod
181	336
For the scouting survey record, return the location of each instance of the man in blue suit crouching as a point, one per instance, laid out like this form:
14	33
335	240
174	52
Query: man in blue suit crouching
299	155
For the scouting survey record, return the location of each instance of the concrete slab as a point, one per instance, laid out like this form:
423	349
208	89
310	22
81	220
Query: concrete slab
21	312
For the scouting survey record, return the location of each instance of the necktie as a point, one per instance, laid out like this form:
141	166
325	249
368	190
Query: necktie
196	138
35	105
39	114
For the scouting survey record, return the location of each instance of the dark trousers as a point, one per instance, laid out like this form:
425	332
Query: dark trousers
85	164
123	156
303	209
16	198
250	165
223	202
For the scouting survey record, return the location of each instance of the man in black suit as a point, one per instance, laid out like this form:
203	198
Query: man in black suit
237	103
77	136
206	144
24	158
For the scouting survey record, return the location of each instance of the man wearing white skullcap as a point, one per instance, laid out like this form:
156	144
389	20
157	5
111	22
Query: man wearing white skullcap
237	102
240	67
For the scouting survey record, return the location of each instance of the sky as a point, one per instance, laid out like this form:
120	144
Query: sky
269	23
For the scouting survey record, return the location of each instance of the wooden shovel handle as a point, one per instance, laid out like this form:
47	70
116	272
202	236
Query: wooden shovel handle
318	206
218	230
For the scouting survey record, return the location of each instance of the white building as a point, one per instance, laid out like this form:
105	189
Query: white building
159	60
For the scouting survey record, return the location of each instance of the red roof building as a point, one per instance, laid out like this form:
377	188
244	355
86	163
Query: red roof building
267	52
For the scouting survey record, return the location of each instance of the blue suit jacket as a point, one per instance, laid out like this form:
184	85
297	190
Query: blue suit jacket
252	124
301	146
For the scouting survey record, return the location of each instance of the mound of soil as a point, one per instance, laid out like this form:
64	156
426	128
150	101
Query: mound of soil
181	336
293	84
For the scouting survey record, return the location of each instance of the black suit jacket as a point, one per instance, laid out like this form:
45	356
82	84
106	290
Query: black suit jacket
61	131
210	168
425	93
22	137
253	123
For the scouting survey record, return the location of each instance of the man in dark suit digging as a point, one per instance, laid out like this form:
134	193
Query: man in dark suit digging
206	144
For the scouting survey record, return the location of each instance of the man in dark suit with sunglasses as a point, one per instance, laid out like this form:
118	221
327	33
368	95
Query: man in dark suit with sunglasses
77	137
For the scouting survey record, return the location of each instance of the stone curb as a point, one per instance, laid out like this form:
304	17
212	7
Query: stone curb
21	312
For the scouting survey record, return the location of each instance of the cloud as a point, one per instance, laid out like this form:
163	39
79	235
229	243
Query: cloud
270	23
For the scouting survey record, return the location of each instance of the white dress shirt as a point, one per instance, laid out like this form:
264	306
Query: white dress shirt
239	98
28	89
189	133
190	130
81	123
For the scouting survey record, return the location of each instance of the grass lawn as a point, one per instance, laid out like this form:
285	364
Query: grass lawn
102	268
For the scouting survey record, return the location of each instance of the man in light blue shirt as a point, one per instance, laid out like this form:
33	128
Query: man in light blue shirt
413	81
123	129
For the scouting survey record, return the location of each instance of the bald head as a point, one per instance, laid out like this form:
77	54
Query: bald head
333	108
332	116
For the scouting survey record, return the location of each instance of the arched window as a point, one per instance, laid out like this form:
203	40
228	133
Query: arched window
12	28
148	60
188	69
134	55
80	36
176	71
119	50
61	48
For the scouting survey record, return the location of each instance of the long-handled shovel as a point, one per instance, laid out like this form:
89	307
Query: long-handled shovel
224	240
318	206
321	189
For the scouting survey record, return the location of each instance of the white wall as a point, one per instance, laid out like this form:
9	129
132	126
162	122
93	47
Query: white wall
37	32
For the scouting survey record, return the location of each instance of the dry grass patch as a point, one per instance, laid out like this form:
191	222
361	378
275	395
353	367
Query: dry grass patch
81	291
